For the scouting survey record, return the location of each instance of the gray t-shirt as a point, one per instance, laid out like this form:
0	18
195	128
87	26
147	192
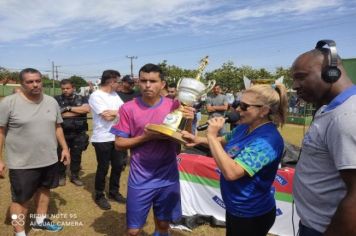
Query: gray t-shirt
328	146
31	131
216	100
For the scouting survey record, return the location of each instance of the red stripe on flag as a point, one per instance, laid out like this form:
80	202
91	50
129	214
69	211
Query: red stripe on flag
284	180
198	165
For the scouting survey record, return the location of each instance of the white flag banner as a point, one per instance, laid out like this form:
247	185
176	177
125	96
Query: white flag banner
280	80
247	82
201	197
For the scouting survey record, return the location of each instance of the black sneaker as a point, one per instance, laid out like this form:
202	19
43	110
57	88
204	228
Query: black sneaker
117	197
48	225
102	202
75	180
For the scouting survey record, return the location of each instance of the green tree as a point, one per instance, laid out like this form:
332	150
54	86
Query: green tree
264	74
6	76
48	83
287	81
174	73
249	72
78	81
228	76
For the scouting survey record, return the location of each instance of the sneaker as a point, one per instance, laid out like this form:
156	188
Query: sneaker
62	181
48	225
117	197
102	202
75	180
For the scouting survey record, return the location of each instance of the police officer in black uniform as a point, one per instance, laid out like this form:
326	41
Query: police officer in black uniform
74	109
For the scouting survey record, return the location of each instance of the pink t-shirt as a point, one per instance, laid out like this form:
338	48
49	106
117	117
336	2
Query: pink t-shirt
153	164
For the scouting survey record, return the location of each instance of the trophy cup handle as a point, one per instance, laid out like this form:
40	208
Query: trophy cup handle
210	86
180	80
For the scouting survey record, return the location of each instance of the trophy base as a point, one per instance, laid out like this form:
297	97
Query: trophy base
169	132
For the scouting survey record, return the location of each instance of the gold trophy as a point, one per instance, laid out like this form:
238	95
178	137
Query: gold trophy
190	91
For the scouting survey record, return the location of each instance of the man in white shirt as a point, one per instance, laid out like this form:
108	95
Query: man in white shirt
104	104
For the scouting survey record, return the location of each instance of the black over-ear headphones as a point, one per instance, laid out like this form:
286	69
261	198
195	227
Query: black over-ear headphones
330	73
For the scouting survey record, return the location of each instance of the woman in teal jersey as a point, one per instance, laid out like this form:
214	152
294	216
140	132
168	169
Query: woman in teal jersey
248	158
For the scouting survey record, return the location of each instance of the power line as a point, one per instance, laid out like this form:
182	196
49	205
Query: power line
241	39
116	59
233	40
57	72
332	21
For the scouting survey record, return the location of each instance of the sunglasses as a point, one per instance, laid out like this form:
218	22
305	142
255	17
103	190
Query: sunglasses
244	106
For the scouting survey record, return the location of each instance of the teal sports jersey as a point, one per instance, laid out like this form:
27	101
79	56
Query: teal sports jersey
259	154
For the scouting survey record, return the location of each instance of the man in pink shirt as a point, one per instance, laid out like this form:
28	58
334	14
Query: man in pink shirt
153	178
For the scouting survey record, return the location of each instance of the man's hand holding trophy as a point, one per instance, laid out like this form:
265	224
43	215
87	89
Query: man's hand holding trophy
190	90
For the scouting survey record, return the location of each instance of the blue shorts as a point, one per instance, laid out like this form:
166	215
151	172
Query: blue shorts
165	201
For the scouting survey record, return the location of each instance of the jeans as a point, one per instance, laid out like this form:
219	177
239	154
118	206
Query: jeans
106	154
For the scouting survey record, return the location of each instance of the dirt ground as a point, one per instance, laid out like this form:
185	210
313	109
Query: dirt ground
74	206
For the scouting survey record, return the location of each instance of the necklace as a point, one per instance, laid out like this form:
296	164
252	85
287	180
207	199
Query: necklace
258	126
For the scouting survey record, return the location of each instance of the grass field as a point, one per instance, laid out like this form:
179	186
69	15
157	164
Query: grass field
75	206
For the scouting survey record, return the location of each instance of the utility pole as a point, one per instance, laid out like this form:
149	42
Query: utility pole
53	76
57	72
56	79
131	58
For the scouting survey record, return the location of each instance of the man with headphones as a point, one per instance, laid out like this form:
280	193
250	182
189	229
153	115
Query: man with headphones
325	178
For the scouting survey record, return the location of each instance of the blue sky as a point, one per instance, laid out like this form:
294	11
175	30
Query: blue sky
85	37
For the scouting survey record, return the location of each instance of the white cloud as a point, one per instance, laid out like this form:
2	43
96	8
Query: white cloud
23	19
281	7
61	21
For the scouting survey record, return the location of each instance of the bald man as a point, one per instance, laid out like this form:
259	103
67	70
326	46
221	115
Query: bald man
325	179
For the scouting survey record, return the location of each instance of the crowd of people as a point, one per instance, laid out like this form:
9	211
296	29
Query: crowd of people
43	135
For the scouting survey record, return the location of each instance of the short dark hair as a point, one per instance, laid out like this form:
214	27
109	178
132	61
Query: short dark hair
66	81
128	79
29	70
152	68
109	74
172	85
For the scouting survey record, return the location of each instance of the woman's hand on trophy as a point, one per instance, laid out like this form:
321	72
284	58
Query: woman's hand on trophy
191	139
188	112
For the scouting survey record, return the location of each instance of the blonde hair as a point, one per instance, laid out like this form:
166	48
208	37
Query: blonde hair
274	96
